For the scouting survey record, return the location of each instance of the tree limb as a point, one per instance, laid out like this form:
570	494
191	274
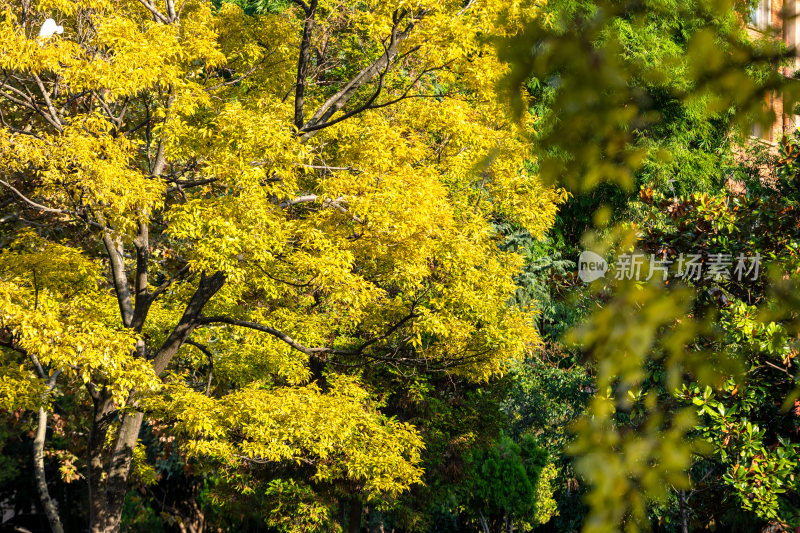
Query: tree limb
38	453
296	345
44	208
209	285
119	276
208	354
275	333
303	5
154	10
141	292
164	286
338	100
302	63
50	108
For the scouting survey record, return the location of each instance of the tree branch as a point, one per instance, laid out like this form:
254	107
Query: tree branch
44	208
50	108
120	277
141	292
209	285
302	63
164	286
191	183
28	101
275	333
208	354
303	5
369	104
38	452
338	100
154	10
296	345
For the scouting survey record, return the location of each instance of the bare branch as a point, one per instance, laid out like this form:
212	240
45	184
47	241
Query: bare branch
50	108
154	10
28	102
329	168
30	202
45	209
236	80
335	203
275	333
208	287
296	345
369	104
190	183
164	286
300	200
302	63
325	123
338	100
208	354
119	276
116	120
465	8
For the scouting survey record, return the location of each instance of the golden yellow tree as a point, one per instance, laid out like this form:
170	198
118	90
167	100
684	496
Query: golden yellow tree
212	220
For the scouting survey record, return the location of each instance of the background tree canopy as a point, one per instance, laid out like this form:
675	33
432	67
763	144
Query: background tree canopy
300	266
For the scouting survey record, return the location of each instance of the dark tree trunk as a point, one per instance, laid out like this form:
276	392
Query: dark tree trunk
356	508
109	484
303	62
509	523
108	481
684	511
97	435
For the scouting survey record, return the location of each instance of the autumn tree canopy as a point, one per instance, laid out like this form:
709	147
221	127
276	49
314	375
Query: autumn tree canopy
213	223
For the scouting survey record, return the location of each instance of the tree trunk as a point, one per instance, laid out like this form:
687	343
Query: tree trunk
684	512
119	469
197	518
302	63
97	436
108	485
356	507
41	481
484	524
375	521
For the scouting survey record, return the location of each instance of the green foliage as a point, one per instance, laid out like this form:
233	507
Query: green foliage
506	480
456	418
295	507
660	66
672	77
140	517
547	398
257	7
675	141
744	419
542	280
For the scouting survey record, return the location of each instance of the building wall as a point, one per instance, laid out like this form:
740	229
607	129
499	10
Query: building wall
784	21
